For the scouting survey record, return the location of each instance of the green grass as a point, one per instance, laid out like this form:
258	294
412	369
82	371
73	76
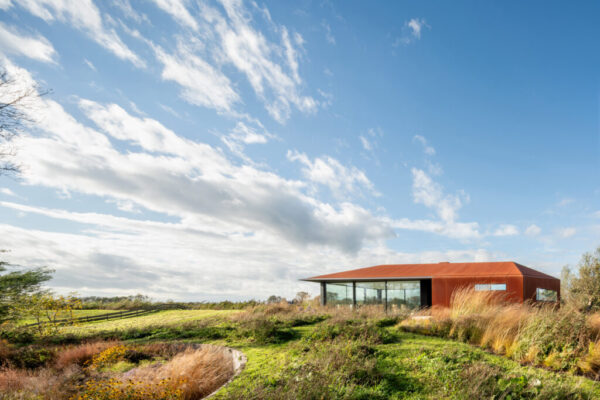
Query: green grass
162	318
303	357
417	367
76	314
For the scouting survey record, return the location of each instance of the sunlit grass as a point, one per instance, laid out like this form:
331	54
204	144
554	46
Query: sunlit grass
76	314
162	318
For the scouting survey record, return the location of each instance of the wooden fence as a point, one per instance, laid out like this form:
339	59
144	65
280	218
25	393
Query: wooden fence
103	317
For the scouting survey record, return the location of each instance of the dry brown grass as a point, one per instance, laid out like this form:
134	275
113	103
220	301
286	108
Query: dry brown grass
189	373
594	323
44	383
80	354
203	371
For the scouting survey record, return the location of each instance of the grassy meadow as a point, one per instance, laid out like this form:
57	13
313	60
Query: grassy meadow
299	352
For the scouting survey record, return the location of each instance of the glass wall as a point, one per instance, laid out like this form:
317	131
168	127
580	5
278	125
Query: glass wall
407	293
385	293
370	293
339	293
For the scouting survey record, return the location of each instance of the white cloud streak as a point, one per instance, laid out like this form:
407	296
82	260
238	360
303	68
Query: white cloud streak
85	16
37	48
178	10
429	150
203	85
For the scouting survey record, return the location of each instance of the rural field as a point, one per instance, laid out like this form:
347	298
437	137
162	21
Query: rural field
304	351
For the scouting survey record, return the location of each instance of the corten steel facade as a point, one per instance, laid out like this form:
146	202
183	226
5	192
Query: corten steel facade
425	285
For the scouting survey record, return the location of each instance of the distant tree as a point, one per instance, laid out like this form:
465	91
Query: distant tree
15	98
301	297
274	299
16	288
583	290
48	310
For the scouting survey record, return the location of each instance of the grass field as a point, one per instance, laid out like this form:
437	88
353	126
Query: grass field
162	318
76	314
421	367
350	355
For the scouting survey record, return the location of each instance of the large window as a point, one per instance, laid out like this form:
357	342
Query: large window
545	295
339	293
384	293
406	293
490	286
370	293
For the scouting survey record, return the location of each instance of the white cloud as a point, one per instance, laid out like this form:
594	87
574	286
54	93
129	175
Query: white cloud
85	16
506	230
533	230
5	4
291	54
178	10
203	85
127	256
37	48
89	64
416	25
129	12
429	150
411	31
242	46
596	214
170	110
456	230
431	195
330	172
567	232
165	173
565	201
8	192
271	65
328	35
243	134
366	144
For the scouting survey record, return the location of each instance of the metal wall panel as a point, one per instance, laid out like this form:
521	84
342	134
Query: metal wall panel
443	287
532	283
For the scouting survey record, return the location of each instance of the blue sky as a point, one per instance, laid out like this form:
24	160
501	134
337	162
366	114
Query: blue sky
222	150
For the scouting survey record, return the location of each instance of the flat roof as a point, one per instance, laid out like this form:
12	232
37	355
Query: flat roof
438	270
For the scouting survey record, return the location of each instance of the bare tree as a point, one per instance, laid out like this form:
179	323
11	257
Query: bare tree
14	99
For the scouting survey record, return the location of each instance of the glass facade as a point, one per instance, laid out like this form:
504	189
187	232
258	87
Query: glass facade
406	293
385	293
339	293
370	293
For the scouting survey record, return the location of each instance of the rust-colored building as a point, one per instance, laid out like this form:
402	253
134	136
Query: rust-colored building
425	285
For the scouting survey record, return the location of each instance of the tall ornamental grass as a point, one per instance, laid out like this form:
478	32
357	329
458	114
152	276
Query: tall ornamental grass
559	338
